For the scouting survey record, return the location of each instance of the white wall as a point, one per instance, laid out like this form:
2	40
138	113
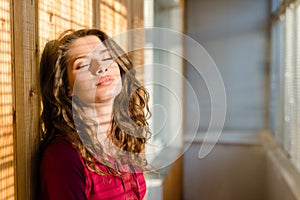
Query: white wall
234	34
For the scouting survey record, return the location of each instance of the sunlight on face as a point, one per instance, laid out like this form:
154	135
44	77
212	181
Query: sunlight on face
93	75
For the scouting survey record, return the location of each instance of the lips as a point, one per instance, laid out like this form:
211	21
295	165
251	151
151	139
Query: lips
105	80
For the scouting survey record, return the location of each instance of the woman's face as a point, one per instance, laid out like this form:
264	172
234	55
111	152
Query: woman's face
93	75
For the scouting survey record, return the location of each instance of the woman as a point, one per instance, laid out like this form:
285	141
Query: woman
93	120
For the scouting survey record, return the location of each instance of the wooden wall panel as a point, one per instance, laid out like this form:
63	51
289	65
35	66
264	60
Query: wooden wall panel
7	161
26	101
56	16
137	40
26	25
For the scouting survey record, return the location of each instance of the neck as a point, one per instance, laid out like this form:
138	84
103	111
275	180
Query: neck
102	113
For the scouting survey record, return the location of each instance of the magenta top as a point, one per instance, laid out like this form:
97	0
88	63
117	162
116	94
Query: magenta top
65	176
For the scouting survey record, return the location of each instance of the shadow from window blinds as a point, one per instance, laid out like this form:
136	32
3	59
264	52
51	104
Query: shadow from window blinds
56	16
118	16
6	114
113	17
138	39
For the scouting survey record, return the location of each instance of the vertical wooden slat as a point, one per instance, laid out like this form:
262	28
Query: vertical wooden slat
6	115
26	102
96	13
137	40
107	17
62	15
46	21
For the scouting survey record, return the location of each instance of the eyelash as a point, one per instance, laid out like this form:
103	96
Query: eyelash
85	65
82	66
109	58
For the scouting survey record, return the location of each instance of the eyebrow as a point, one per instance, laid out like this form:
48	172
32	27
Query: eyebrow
79	57
104	50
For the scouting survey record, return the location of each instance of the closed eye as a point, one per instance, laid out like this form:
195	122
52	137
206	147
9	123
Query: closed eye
105	59
82	66
106	56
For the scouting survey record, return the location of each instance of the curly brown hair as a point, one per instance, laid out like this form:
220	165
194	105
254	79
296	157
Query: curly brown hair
62	115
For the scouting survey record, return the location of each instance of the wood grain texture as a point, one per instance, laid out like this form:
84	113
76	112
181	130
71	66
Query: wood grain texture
7	161
26	100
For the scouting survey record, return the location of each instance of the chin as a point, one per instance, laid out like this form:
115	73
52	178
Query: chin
105	97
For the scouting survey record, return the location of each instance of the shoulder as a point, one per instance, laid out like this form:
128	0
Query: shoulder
62	172
60	147
60	157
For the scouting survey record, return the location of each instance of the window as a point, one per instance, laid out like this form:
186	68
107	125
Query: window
276	115
285	84
6	114
296	135
163	79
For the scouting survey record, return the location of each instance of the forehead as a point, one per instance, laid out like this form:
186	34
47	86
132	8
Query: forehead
83	46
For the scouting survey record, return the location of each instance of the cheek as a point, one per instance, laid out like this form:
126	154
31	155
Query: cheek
79	83
84	80
116	71
119	86
119	80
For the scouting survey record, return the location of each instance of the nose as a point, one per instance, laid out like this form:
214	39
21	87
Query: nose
97	67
